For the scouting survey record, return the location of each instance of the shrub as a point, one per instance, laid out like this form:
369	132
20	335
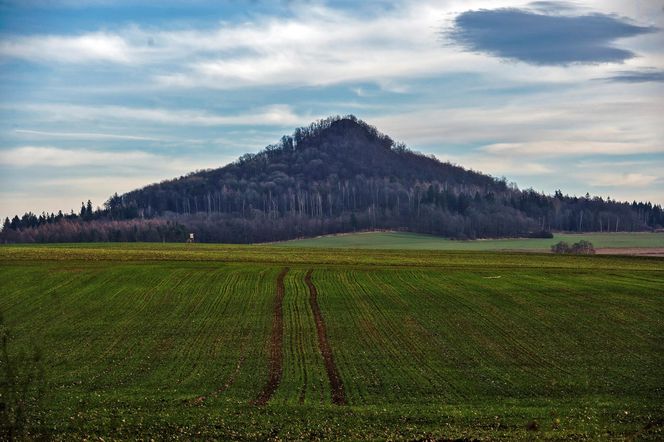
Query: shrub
582	247
561	247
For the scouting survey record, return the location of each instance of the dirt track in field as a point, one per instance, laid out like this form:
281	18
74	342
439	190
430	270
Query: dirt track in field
337	386
276	344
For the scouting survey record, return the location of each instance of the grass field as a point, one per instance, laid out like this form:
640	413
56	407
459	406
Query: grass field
261	342
414	241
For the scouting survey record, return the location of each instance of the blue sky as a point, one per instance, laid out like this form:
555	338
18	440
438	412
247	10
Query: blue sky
104	96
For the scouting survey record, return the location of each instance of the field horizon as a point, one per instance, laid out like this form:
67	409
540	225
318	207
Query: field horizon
394	239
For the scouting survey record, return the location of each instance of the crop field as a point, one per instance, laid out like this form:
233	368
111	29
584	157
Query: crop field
174	341
406	240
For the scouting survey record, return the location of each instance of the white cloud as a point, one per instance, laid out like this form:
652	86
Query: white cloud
498	167
316	45
621	180
27	156
557	148
85	48
127	161
598	119
277	115
320	46
83	135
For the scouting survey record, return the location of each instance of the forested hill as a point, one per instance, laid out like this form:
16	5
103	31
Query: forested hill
337	175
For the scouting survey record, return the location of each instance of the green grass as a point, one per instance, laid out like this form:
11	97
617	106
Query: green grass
173	341
415	241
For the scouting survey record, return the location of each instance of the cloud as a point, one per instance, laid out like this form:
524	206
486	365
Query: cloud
318	46
499	166
83	135
621	180
313	45
551	6
273	115
27	156
637	76
123	81
544	39
134	161
90	47
552	126
578	147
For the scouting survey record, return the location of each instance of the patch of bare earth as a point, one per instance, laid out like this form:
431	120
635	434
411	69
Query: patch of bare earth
336	384
632	251
276	344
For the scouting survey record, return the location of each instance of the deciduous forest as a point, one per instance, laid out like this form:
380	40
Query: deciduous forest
336	175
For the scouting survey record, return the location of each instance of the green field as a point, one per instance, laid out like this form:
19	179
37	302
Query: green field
174	341
415	241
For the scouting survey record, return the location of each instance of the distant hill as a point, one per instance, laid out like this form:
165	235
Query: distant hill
336	175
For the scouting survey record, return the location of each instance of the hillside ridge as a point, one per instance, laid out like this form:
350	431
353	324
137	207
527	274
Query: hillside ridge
336	175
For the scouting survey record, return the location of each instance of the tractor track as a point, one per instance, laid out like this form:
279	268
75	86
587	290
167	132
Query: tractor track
276	344
336	384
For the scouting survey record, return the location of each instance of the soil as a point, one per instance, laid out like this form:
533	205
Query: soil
336	384
633	251
276	344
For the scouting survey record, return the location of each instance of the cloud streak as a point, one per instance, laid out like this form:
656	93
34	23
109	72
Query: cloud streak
578	147
555	127
84	48
274	115
83	135
30	156
637	76
630	180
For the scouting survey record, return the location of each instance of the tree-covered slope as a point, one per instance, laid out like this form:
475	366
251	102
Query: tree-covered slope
336	175
324	161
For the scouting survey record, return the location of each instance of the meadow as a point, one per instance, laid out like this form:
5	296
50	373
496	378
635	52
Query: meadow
414	241
175	341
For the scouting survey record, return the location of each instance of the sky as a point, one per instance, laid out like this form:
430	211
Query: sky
100	96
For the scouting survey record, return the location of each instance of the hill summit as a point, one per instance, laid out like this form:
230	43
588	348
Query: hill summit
336	175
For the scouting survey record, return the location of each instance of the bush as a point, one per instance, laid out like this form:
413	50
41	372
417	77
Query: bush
582	247
561	247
